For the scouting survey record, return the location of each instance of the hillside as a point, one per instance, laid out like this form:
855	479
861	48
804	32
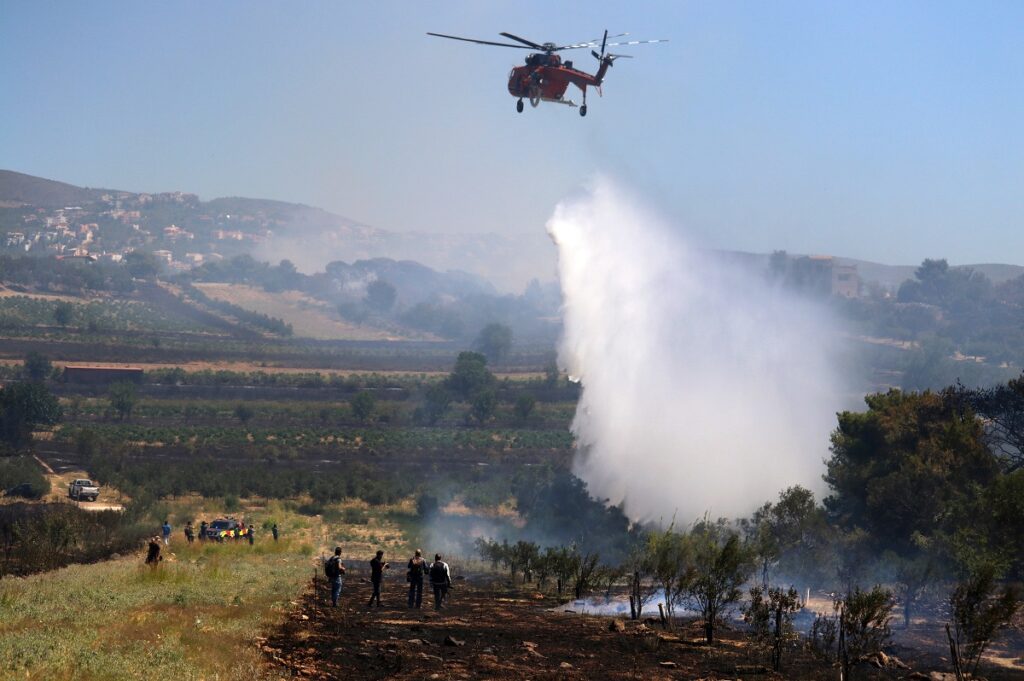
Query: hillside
19	189
892	276
191	229
310	318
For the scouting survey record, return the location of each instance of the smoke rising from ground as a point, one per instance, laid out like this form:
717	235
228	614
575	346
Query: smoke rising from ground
705	388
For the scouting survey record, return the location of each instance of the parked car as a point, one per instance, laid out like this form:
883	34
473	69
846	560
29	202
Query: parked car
83	489
222	528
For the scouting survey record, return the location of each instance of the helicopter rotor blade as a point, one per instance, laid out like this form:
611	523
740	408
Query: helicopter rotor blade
638	42
589	43
524	41
479	42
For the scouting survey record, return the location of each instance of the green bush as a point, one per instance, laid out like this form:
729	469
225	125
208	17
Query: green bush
22	476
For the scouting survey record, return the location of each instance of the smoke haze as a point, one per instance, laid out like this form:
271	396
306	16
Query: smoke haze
705	388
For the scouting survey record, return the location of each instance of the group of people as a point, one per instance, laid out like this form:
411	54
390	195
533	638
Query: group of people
417	571
153	556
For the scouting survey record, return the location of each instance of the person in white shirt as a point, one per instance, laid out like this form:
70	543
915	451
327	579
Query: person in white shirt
440	579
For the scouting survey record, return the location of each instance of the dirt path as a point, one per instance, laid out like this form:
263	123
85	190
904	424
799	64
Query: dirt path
110	499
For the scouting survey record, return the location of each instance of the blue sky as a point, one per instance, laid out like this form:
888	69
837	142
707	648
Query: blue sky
884	131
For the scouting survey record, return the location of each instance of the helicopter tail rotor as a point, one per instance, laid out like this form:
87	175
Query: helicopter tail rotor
604	42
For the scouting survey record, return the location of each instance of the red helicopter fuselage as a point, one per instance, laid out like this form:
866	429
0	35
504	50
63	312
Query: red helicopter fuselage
546	77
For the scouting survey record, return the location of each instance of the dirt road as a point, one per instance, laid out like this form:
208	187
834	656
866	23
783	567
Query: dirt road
61	475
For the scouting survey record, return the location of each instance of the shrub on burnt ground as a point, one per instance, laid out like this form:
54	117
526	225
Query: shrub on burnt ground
38	537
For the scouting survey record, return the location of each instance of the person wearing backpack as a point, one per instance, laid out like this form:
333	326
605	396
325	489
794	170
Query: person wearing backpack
440	579
334	569
417	566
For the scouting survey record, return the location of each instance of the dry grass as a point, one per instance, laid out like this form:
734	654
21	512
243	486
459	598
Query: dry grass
8	293
196	616
310	318
200	615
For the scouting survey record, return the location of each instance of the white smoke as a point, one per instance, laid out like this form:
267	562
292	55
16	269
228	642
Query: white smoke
705	389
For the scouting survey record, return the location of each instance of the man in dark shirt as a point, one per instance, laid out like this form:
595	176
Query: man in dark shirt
377	568
417	566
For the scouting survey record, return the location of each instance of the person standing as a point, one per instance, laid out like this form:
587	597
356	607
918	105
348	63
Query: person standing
251	534
334	569
153	556
377	568
190	534
167	532
202	530
273	531
417	566
440	579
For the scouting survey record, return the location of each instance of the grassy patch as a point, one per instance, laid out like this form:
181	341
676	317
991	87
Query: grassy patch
195	616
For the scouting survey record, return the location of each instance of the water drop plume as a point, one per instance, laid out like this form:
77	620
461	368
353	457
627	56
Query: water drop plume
705	388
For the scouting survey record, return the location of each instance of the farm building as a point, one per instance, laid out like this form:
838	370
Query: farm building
79	373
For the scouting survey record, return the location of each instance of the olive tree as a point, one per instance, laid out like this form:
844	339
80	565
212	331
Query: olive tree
721	564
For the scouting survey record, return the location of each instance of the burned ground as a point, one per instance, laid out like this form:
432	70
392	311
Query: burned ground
490	630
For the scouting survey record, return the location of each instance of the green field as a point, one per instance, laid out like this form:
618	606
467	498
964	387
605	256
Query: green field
194	617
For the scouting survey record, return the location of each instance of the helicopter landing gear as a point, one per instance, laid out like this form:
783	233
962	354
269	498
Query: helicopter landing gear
583	110
519	106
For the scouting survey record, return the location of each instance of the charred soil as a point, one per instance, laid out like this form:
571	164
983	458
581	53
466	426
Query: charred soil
488	631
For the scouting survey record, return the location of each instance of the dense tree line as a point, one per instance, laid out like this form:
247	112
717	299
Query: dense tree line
51	274
214	477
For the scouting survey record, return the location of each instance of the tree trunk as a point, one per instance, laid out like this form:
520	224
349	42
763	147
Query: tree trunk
777	647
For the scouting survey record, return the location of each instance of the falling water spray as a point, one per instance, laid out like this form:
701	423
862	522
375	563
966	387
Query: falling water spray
705	388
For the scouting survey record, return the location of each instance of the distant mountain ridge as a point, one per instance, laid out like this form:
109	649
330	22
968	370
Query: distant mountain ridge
312	237
28	190
893	275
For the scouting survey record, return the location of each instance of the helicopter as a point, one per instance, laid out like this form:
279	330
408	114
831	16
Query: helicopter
546	76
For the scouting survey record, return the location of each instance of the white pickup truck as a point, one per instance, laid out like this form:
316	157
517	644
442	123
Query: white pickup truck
83	489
